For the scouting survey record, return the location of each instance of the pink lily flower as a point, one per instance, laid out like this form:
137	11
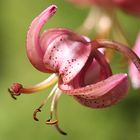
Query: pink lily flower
129	6
134	74
80	68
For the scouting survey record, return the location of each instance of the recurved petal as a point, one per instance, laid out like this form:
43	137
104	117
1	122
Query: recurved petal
109	98
51	34
34	51
98	70
99	89
133	72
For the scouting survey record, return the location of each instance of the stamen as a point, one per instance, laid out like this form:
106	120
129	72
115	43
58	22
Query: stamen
54	106
44	102
49	121
54	109
55	99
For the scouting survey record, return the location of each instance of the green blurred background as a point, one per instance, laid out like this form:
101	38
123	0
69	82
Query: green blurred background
119	122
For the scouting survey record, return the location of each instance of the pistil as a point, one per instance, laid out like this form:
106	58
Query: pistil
43	85
16	89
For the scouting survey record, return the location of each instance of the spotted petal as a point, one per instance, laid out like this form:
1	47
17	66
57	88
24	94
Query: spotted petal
99	89
95	70
109	98
51	34
66	55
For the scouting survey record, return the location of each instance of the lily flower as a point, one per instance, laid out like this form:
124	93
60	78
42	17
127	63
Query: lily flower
134	74
78	67
128	6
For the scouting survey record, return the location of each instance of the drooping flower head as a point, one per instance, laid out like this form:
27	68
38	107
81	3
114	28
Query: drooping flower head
129	6
77	64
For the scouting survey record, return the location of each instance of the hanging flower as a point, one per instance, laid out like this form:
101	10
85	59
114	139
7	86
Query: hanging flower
134	74
129	6
76	63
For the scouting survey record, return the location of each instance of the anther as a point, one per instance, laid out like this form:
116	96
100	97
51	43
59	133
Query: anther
49	121
35	114
60	130
55	123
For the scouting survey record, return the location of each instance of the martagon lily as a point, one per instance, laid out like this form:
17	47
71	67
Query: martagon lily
76	63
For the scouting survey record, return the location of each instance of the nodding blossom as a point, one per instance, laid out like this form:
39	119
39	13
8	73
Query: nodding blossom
134	74
130	6
77	66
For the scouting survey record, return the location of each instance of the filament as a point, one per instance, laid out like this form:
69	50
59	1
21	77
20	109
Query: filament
53	109
55	99
44	102
45	84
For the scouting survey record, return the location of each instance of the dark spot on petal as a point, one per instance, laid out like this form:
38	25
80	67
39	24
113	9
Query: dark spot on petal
73	60
95	102
50	57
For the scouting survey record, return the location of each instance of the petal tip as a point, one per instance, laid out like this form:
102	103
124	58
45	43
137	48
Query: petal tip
52	8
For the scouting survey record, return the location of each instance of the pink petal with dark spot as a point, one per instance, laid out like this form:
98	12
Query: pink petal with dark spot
109	98
102	93
34	51
101	72
99	89
66	55
103	90
95	70
51	34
